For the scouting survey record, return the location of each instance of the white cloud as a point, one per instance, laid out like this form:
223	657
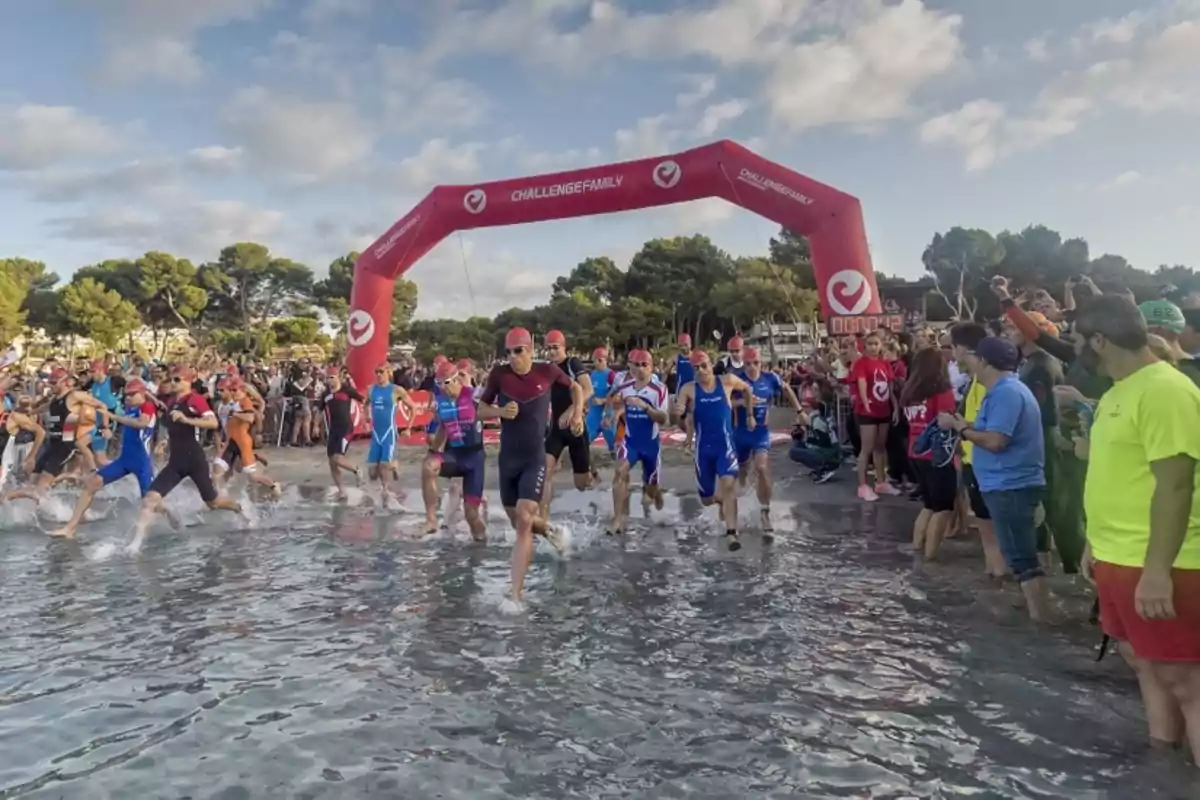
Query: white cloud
115	184
499	279
1126	178
196	230
1162	73
1038	49
703	87
155	38
870	59
320	11
715	116
161	58
870	75
414	96
439	162
544	161
215	158
1117	31
649	136
305	140
37	136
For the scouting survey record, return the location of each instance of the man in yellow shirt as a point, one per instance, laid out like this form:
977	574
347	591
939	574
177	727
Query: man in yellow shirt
1143	519
964	338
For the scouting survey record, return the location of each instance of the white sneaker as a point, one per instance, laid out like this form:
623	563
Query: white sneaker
886	488
559	538
865	493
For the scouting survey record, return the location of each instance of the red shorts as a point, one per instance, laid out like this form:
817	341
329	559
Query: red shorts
1154	640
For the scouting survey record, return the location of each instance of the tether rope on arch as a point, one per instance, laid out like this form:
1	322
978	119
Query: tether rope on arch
774	268
462	249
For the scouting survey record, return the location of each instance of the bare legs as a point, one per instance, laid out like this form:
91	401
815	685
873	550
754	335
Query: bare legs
726	496
337	465
152	503
90	487
928	531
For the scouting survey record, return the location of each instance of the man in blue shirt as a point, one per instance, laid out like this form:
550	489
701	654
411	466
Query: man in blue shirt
1008	460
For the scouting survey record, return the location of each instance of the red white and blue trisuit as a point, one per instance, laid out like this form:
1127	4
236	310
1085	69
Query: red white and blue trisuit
639	442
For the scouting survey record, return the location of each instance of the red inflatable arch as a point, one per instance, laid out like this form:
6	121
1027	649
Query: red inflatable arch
831	220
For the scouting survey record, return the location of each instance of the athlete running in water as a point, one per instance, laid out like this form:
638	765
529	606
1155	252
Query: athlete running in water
603	382
68	408
518	394
187	415
14	424
642	400
383	398
456	450
137	438
563	434
711	435
685	373
106	389
754	444
238	452
339	428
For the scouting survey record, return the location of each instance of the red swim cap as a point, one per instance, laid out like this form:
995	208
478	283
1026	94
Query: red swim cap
440	359
445	371
685	339
698	357
640	357
134	386
600	352
465	365
333	371
518	337
59	374
556	337
735	343
750	354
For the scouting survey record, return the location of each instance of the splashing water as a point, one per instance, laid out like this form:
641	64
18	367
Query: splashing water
320	649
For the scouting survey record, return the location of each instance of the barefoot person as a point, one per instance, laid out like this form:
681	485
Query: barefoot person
340	398
754	444
68	408
518	394
641	402
456	451
708	399
187	415
383	398
238	453
17	423
141	415
563	434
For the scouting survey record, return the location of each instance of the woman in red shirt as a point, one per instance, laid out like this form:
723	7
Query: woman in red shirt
871	388
926	393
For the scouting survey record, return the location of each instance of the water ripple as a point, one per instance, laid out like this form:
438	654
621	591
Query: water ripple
324	653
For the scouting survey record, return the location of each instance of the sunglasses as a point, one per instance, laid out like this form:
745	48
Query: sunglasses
515	351
639	363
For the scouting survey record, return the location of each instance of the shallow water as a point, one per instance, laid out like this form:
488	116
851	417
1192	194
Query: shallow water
321	652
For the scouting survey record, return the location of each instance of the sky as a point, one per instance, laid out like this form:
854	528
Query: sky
312	125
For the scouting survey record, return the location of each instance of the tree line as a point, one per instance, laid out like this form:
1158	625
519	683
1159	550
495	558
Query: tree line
250	300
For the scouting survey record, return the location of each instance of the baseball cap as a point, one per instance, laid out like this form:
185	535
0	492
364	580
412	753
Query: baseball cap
556	337
685	339
518	337
735	343
1163	314
698	357
998	353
